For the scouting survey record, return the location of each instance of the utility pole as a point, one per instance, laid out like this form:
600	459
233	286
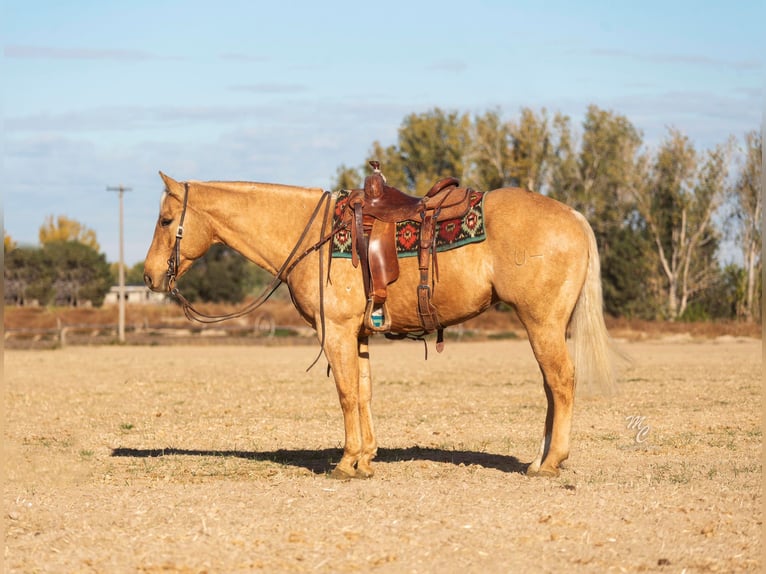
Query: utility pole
121	292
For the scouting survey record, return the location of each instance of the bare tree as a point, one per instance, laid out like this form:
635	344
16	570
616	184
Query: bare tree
678	197
748	196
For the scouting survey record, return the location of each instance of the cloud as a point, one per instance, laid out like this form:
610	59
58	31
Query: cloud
116	118
57	53
708	118
450	66
242	57
344	113
270	88
690	59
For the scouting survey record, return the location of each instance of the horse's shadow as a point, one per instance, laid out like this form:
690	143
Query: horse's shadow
323	461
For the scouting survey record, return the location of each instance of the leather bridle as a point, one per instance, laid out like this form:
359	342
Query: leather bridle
281	275
175	255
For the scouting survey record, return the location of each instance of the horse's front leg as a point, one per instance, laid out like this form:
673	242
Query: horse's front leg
369	443
349	361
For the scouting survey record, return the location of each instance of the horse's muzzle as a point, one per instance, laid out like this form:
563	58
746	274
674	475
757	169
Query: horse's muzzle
150	283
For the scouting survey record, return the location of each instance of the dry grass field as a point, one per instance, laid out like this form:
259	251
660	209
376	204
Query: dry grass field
215	459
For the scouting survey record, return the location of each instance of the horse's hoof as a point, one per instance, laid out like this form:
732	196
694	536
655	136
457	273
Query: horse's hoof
340	474
364	472
543	472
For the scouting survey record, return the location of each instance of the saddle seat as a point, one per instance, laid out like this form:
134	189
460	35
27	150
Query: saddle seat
387	203
375	211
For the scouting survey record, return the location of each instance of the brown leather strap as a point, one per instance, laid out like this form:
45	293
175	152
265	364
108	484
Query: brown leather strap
426	311
360	246
292	260
382	259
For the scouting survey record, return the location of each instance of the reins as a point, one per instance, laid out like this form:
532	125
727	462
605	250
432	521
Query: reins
281	275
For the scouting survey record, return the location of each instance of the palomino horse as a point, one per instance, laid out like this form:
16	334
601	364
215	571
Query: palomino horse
539	256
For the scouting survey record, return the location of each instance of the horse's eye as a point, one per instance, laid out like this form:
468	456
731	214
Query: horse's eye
165	222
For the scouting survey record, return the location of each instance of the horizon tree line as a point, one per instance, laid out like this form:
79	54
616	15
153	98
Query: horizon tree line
660	215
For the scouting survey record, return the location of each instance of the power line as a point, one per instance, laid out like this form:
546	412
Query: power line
121	189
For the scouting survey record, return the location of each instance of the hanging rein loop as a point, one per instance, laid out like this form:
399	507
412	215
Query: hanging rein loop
281	275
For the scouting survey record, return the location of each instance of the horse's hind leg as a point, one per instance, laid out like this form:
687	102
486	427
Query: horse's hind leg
549	345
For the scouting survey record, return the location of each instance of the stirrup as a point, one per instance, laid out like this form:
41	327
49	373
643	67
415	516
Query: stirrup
376	323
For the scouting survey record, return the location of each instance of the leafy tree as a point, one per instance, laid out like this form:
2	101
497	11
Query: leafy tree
512	153
27	276
492	152
392	165
133	275
431	146
748	197
80	273
64	229
222	275
651	212
627	274
594	176
530	149
720	299
346	178
8	243
61	272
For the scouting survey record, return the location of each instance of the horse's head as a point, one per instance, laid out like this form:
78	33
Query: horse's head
173	251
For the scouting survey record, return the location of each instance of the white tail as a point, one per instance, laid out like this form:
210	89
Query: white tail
593	349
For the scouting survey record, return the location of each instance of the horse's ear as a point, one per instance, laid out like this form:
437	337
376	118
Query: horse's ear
166	178
171	185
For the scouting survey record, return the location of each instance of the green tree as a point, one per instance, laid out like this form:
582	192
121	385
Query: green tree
492	161
346	178
430	146
133	275
392	165
651	212
721	298
515	153
27	276
80	273
594	176
530	149
63	228
221	275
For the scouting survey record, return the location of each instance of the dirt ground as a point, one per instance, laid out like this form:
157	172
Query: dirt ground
216	459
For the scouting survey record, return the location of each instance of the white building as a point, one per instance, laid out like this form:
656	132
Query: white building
135	294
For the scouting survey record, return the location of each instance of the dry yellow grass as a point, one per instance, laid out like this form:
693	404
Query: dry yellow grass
215	459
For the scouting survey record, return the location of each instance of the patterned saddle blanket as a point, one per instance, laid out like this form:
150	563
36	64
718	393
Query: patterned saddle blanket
450	233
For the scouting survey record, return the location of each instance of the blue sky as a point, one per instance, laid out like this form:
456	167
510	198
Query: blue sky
98	94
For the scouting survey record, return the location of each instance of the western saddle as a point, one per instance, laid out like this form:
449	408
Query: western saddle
373	215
